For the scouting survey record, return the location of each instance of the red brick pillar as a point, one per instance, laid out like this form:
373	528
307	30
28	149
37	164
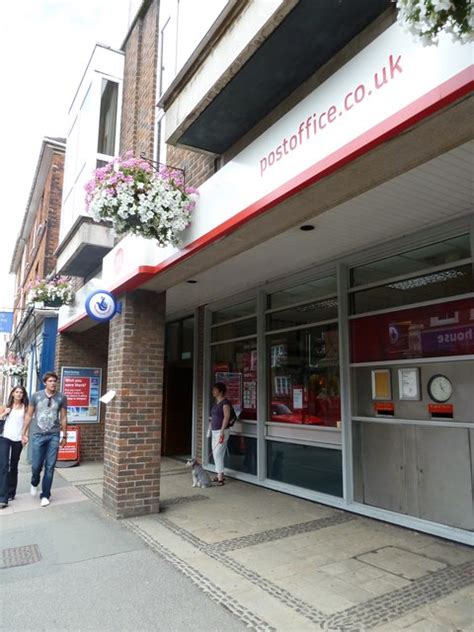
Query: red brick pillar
133	420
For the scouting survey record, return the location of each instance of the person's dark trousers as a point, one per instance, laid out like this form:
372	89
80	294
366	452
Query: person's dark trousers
10	452
44	453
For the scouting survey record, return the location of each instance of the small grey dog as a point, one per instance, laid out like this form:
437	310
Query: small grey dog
200	476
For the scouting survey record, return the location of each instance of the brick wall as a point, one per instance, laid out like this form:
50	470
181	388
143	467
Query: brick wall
198	167
132	454
44	235
55	191
139	84
87	349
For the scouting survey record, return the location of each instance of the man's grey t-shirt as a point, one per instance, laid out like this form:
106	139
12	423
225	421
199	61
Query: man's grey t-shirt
46	418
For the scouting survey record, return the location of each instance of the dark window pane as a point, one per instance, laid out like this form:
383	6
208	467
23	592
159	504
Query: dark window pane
429	256
248	308
108	118
237	329
172	342
100	163
235	364
311	467
187	341
241	454
300	293
458	280
446	329
304	376
303	314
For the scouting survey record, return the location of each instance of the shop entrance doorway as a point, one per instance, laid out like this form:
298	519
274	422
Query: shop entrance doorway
178	389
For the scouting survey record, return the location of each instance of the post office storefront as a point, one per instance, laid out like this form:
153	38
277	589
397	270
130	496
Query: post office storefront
353	381
328	275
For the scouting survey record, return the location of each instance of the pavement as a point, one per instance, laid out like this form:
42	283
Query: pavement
224	558
71	567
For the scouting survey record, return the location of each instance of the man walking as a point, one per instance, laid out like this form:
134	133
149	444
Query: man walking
47	414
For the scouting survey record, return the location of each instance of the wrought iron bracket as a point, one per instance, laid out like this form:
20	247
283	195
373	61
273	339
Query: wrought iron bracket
156	166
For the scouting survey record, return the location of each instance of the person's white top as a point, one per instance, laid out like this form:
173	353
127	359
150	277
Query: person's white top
14	424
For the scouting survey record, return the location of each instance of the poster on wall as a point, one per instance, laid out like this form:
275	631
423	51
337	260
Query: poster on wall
298	399
233	381
250	395
82	388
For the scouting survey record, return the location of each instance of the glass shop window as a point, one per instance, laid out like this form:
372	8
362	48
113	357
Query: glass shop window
247	308
452	280
235	364
304	385
305	314
448	251
302	293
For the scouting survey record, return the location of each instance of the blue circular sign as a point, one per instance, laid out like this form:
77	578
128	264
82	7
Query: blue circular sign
101	305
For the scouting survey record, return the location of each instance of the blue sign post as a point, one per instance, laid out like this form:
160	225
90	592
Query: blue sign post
6	322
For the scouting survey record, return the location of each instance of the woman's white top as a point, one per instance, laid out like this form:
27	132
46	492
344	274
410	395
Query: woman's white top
14	424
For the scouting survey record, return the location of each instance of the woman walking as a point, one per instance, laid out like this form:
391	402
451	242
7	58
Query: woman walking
220	421
10	443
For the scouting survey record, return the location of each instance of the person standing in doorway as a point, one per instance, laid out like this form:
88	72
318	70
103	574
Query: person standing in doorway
47	415
10	443
220	422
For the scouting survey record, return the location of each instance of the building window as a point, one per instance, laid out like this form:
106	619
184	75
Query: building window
235	364
179	341
429	273
304	376
303	354
108	118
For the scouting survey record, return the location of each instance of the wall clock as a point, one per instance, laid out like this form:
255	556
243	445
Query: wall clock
440	388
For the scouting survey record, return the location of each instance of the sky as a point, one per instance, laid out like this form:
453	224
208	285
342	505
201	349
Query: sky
44	49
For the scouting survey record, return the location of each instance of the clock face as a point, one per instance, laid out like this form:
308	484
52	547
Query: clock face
440	388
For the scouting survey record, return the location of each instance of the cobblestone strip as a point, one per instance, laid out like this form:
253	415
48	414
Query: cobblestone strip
87	481
290	601
215	552
90	494
257	538
251	620
174	472
180	500
386	608
283	532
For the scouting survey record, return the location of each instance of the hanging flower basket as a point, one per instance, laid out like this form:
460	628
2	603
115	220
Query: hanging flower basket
51	293
425	19
13	366
140	200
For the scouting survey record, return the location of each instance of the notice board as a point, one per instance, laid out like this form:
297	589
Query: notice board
82	387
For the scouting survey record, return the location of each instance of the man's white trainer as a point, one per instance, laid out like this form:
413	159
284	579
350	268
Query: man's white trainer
44	502
33	490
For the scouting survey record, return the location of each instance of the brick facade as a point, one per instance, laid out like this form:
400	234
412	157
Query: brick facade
198	167
132	453
87	349
139	84
43	237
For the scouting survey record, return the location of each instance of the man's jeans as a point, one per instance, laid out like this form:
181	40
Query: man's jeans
45	452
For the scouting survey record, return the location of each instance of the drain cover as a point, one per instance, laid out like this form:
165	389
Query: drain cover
20	556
